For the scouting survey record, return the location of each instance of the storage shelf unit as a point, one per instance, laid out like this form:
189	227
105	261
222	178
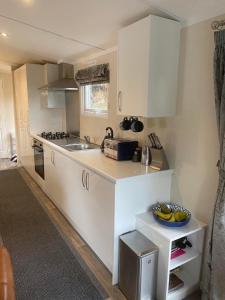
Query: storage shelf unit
190	285
183	259
189	263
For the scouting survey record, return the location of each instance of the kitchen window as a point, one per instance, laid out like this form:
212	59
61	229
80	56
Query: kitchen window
95	99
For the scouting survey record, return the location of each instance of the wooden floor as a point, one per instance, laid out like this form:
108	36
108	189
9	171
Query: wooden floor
95	265
5	164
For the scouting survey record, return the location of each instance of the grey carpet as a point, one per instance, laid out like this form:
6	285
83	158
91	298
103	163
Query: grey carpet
45	268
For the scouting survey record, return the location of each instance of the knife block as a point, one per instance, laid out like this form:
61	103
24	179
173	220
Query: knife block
159	160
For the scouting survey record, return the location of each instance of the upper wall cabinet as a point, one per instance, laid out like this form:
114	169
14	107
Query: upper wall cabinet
148	55
52	99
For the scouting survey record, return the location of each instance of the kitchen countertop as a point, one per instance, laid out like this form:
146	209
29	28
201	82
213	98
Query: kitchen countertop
95	160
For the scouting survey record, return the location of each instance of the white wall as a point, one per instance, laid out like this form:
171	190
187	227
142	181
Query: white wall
190	139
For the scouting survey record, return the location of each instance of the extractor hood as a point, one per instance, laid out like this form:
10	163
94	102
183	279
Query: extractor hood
66	81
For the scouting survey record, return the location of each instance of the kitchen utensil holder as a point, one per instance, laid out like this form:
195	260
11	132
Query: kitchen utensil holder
159	160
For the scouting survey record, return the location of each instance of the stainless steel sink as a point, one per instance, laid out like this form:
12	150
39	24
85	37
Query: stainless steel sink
79	146
73	143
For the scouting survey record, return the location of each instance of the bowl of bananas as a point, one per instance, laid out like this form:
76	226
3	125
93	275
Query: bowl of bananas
171	214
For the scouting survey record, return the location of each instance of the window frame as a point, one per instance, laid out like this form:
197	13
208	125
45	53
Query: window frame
93	112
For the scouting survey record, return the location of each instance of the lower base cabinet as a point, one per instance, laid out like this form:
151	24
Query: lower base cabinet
26	152
85	198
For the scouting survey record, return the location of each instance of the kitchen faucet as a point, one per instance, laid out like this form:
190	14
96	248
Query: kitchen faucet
87	139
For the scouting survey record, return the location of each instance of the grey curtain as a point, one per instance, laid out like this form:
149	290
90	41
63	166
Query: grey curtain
93	75
214	271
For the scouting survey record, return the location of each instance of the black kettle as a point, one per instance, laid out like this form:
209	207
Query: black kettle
109	135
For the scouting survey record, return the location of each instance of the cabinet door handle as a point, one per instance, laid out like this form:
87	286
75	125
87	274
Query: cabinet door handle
53	157
87	181
120	101
83	183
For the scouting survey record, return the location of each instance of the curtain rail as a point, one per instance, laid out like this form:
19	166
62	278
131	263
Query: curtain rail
218	25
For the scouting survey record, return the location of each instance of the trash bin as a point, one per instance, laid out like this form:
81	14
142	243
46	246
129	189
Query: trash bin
137	266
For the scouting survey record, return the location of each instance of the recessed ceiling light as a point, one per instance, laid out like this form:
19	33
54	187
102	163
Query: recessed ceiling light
28	2
3	34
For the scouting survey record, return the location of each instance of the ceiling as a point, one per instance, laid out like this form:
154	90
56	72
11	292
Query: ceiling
56	30
191	11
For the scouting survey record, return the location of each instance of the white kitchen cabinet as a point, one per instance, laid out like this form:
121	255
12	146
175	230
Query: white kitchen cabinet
22	110
85	198
61	178
24	141
93	214
50	185
148	55
49	98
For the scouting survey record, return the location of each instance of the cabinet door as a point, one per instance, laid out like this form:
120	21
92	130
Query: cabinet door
24	142
63	184
60	176
96	216
148	55
28	158
133	60
49	170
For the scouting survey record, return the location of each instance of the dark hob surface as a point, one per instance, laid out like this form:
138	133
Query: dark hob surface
61	138
54	135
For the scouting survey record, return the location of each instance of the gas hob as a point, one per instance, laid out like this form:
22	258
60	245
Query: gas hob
54	135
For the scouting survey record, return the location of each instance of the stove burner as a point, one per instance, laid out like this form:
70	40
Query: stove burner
54	135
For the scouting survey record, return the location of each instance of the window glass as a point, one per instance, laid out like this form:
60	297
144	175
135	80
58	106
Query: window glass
95	98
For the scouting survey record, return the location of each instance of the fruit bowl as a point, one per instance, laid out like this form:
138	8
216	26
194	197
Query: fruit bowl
171	214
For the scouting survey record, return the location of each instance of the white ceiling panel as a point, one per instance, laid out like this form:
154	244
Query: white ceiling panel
40	44
191	11
79	25
61	30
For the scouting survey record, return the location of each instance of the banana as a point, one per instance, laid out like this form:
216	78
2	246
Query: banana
180	216
172	219
162	215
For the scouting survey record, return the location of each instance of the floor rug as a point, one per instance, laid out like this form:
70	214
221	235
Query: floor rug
45	267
